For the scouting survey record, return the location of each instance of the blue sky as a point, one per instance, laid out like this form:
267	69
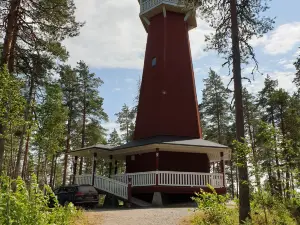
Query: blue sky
113	43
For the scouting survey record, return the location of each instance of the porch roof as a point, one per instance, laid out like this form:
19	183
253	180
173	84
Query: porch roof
165	143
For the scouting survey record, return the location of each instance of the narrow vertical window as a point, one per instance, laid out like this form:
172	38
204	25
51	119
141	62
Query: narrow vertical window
154	62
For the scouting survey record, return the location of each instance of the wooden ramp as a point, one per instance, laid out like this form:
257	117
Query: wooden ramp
111	186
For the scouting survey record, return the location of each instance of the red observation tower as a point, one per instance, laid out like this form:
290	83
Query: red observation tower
167	161
168	102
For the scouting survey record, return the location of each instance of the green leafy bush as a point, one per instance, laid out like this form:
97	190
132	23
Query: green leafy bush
214	209
21	205
265	210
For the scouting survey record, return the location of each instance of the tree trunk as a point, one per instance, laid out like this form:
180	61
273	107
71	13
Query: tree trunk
231	178
52	171
244	201
257	177
45	170
80	165
12	20
276	156
67	149
25	156
2	143
11	151
26	116
83	126
287	160
38	166
292	183
11	62
218	117
6	50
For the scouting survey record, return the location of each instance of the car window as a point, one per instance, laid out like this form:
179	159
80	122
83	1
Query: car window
86	189
62	189
70	189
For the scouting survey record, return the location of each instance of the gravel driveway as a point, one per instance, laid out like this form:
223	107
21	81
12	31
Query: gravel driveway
149	216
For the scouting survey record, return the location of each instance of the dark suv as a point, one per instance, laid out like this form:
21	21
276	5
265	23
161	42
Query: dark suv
84	195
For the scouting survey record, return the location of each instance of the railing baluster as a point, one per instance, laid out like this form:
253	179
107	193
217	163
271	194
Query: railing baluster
168	178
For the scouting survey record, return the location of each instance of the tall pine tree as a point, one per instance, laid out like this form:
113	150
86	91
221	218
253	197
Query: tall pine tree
90	102
235	23
126	120
215	110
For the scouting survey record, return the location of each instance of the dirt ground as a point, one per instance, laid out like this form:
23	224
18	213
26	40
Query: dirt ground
148	216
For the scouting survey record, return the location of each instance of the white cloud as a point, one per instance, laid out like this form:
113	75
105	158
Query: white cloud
110	126
116	89
297	53
287	64
285	81
197	39
283	39
114	36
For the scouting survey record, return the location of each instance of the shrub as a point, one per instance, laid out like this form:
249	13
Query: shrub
265	209
21	205
214	209
268	209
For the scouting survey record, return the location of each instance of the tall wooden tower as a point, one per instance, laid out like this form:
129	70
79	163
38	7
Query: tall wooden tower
168	161
168	103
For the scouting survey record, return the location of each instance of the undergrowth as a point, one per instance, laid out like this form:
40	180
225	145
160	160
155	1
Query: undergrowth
265	210
22	204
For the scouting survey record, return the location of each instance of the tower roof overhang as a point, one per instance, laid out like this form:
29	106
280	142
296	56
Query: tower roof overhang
147	11
163	143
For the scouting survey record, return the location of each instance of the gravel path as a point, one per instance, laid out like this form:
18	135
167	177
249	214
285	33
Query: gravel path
152	216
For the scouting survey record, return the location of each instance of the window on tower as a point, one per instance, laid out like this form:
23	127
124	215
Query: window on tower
153	61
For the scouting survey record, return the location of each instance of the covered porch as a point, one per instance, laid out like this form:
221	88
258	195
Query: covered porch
161	164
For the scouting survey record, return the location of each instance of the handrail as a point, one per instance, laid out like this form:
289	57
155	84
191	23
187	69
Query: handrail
106	184
172	178
168	178
137	179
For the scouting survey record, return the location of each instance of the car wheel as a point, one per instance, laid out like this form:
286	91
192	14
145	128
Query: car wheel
93	206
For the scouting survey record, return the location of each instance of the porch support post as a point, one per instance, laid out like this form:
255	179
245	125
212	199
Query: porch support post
110	166
94	168
222	167
116	166
157	164
75	169
129	191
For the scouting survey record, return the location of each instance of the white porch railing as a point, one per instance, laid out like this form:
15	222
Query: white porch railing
84	179
169	178
172	178
150	4
138	179
105	184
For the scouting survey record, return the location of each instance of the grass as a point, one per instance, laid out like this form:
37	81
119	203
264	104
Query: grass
188	220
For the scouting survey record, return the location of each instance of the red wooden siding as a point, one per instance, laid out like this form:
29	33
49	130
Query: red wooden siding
168	161
141	163
168	103
184	162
